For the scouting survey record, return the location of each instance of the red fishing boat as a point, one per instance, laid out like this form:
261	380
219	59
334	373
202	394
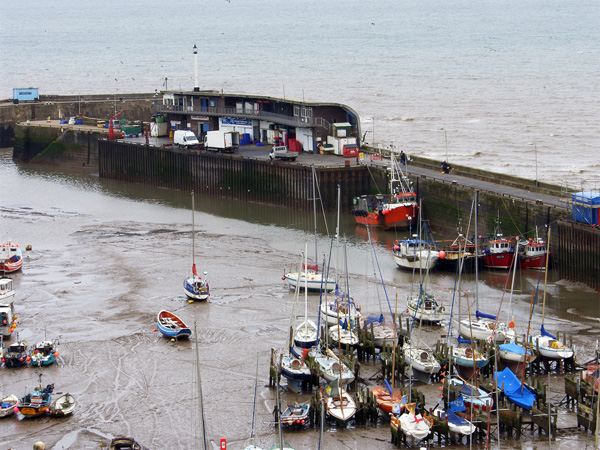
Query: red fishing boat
398	209
499	253
534	254
11	257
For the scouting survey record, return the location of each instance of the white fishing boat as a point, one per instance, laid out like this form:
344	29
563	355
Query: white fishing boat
8	319
6	290
195	287
415	253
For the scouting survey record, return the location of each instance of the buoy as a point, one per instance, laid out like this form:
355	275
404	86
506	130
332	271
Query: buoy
3	360
154	331
28	247
172	339
15	317
28	358
190	301
39	445
11	330
55	353
4	322
442	254
16	409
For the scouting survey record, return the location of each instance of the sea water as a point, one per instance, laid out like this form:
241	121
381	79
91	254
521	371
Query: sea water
508	86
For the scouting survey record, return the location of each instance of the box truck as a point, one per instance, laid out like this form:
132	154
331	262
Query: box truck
223	141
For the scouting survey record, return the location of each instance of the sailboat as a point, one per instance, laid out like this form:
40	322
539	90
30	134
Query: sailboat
306	333
484	326
310	277
545	343
196	287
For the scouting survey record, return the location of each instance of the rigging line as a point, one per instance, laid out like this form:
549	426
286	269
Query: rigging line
373	178
510	216
318	190
380	274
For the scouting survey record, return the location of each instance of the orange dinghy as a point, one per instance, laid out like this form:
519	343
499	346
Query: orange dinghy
384	400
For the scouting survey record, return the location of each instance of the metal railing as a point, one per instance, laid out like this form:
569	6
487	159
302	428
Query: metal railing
246	114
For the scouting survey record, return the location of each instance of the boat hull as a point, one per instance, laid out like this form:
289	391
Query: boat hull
313	281
196	289
399	217
172	326
11	258
537	262
498	260
8	405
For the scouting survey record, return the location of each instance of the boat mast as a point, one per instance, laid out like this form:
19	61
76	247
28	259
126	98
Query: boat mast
202	425
476	257
546	260
305	290
314	213
193	232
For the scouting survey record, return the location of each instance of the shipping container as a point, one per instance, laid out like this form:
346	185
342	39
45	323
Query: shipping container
586	207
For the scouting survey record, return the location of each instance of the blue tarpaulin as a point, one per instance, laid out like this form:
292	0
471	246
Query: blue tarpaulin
457	405
511	385
480	315
513	348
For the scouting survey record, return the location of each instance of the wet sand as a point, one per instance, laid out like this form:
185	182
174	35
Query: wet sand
105	262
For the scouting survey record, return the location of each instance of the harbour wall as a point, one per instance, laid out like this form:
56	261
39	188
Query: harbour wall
137	107
447	205
229	175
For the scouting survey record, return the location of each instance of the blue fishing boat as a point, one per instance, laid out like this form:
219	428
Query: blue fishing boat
43	353
37	402
172	326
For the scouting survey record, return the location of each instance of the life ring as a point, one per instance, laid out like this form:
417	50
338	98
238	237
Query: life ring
511	324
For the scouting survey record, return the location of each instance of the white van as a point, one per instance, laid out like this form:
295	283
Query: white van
185	138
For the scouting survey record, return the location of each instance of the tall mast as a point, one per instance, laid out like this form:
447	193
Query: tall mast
314	211
193	231
476	258
202	426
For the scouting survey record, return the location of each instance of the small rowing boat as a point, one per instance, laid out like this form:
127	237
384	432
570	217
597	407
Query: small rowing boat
172	326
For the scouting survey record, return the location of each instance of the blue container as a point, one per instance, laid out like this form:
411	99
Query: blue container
26	95
586	207
79	122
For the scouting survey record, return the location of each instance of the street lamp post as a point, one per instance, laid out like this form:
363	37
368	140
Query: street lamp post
536	169
536	173
373	130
